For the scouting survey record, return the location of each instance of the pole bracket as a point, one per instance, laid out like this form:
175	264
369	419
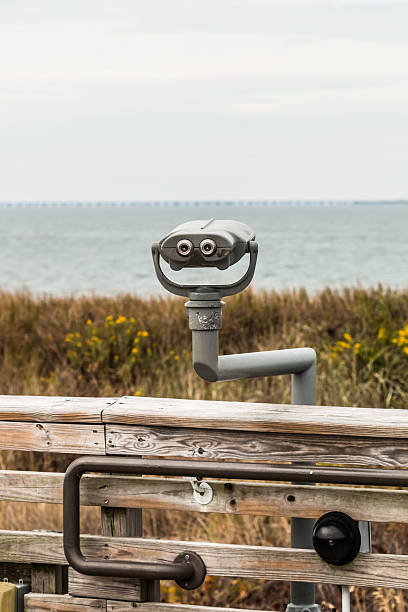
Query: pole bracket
202	491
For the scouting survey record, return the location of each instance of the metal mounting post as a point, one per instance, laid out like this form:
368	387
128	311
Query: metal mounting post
302	594
205	320
345	599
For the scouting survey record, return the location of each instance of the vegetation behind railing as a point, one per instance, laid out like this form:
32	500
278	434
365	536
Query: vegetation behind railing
126	345
98	346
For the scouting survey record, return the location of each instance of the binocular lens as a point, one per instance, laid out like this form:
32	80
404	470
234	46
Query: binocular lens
208	247
184	248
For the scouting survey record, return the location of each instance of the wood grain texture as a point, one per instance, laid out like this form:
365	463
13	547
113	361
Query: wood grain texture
221	444
36	487
34	602
53	437
120	606
49	578
288	500
104	587
127	522
262	562
67	603
132	492
121	522
49	409
283	418
115	522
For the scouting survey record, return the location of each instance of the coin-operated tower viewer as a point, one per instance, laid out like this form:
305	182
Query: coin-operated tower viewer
220	244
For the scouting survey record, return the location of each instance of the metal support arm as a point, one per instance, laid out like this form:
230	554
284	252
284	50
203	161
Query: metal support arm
212	367
204	315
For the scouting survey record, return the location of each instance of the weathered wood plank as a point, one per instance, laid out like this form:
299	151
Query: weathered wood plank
283	418
115	522
53	437
49	409
35	487
49	578
379	505
127	522
288	500
66	603
121	522
105	587
120	606
221	444
262	562
34	602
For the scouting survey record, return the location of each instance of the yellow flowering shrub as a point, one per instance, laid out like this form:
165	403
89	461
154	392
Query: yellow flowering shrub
119	348
348	344
118	344
377	347
378	357
401	339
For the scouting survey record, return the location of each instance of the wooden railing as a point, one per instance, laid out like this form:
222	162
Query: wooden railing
194	429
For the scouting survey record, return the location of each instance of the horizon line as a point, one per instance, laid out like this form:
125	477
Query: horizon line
202	202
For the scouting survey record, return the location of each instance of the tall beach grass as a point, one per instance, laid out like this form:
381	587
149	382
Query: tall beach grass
101	346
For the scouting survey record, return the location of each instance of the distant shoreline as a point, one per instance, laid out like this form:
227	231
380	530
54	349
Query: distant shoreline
104	248
198	203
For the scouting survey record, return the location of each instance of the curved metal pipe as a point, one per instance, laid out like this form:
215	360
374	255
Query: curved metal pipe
71	513
212	367
191	571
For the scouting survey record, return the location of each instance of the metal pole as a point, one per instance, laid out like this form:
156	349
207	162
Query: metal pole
345	599
205	321
302	594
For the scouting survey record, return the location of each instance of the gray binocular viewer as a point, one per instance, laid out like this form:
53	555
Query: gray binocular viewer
214	243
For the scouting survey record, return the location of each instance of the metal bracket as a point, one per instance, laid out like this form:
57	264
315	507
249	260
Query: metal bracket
365	532
202	492
21	589
214	291
300	608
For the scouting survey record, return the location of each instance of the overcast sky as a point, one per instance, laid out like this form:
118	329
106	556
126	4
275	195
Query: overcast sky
203	99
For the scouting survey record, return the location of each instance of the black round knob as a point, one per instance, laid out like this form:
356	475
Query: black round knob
336	538
198	573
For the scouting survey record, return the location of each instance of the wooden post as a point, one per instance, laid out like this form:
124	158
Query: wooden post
119	523
128	522
49	579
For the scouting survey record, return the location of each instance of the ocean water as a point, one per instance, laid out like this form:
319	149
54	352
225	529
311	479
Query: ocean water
83	249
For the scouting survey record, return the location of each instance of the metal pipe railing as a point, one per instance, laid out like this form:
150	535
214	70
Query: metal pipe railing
188	569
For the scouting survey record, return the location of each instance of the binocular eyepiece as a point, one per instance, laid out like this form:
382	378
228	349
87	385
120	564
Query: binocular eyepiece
213	243
185	247
206	244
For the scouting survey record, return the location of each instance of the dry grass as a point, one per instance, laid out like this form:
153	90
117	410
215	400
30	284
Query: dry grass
39	354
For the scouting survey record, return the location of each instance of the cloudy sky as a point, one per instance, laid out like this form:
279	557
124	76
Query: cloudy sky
203	99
